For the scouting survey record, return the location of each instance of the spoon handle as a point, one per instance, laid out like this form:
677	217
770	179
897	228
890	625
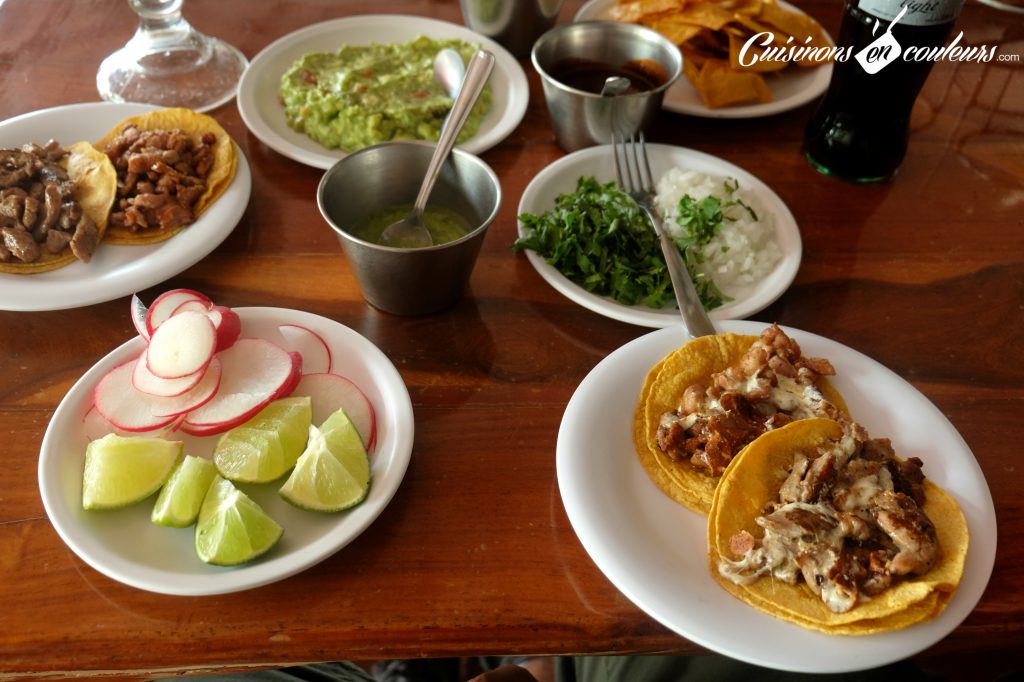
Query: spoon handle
477	73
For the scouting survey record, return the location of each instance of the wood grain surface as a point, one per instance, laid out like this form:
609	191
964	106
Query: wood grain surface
475	554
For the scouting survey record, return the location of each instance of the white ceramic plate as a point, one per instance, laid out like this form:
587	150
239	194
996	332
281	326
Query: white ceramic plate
262	111
126	546
560	178
791	88
655	551
114	270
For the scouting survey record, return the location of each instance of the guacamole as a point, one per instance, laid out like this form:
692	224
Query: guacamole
366	94
443	224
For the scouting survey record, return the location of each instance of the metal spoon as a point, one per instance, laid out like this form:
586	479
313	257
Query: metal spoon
449	71
410	232
615	85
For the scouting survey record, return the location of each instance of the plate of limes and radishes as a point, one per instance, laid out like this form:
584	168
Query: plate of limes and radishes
223	449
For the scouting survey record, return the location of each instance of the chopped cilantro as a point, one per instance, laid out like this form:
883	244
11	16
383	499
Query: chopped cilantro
601	240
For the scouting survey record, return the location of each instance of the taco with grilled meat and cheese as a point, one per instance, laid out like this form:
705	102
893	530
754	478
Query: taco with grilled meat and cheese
707	400
818	524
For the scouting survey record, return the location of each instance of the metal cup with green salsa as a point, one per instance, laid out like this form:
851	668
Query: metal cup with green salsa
362	95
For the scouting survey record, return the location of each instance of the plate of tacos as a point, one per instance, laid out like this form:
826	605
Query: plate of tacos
776	497
100	200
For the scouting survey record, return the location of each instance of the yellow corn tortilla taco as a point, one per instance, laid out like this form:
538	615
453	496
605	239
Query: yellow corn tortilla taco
693	363
217	180
94	189
750	488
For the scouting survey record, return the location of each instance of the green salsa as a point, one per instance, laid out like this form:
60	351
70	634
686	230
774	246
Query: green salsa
443	224
362	95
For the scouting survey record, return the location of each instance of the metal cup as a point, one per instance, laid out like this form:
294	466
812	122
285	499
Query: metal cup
408	281
515	24
584	119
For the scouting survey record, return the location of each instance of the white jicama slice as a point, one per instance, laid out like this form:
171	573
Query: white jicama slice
316	355
184	344
147	382
166	303
331	392
254	372
119	403
139	314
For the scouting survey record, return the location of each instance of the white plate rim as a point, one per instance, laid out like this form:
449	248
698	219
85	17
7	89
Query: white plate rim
560	177
712	618
115	270
389	461
681	99
267	122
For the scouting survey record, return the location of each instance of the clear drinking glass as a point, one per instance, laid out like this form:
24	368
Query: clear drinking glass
168	62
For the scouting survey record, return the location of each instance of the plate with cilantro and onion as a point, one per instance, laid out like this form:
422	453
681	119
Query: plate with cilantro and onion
591	242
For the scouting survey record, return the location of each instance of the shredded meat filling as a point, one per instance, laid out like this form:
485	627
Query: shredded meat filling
161	175
38	211
842	524
772	385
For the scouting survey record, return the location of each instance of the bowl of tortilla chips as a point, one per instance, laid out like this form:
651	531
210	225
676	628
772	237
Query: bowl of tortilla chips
735	52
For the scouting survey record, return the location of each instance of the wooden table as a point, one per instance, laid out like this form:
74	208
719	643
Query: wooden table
475	554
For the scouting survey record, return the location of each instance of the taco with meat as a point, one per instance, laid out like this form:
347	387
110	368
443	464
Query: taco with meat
54	203
171	164
819	524
707	400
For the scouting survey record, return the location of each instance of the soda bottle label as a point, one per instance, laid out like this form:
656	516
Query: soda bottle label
919	12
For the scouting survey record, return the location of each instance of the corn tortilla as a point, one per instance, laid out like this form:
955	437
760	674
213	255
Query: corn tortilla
95	188
692	363
753	480
217	181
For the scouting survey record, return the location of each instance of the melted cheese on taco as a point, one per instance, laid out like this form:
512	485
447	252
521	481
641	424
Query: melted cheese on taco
771	385
848	520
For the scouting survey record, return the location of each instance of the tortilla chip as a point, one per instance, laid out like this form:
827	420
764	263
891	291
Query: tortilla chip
761	65
95	188
217	181
721	86
753	480
717	29
692	363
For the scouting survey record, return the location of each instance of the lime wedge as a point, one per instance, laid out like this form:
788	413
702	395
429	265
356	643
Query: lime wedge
179	500
231	528
123	470
265	447
248	455
334	472
291	418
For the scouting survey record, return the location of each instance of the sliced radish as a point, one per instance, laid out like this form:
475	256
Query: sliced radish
228	325
194	398
225	320
147	382
139	312
124	407
166	303
182	345
255	371
316	355
195	305
95	426
331	392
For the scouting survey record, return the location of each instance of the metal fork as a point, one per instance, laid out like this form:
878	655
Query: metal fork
635	178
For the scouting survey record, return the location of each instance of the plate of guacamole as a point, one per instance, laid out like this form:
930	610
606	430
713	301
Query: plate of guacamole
329	89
